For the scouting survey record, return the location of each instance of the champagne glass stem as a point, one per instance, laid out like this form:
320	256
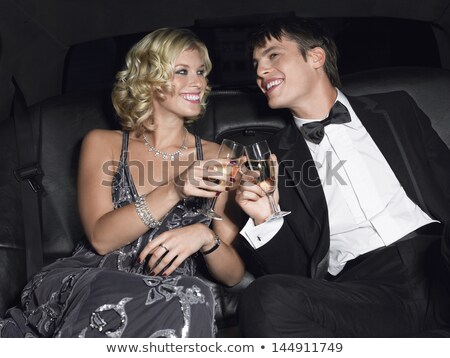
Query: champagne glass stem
272	203
212	203
210	212
276	212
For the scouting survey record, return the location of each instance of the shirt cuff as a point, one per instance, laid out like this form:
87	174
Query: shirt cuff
260	235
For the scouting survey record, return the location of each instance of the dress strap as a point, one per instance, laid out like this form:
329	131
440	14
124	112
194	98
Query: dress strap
124	154
198	147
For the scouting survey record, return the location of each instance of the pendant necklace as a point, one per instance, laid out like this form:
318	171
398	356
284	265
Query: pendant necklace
165	155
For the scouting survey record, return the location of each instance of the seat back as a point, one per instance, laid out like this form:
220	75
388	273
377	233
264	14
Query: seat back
64	121
430	88
59	124
239	115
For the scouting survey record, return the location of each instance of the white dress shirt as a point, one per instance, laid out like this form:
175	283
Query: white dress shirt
367	206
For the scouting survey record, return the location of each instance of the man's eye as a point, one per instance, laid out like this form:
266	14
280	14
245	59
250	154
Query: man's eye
273	55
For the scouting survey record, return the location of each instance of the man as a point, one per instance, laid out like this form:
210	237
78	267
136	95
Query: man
369	191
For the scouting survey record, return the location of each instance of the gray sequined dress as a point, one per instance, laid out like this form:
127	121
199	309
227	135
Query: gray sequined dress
89	295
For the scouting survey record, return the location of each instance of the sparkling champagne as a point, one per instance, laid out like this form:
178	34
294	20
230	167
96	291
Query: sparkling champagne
232	151
266	169
230	170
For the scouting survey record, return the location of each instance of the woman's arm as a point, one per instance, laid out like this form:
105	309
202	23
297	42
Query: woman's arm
108	229
176	245
224	263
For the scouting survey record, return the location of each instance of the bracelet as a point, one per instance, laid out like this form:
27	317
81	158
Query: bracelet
215	247
144	213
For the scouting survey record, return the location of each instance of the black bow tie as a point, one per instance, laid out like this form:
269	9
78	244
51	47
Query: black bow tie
315	131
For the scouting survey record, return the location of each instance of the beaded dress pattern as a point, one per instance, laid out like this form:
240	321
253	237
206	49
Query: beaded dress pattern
90	295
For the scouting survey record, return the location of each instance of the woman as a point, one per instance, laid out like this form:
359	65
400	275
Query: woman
134	276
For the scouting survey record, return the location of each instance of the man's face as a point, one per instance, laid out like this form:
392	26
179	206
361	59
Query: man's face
282	73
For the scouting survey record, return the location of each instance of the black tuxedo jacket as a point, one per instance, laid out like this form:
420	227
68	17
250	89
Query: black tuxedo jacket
414	151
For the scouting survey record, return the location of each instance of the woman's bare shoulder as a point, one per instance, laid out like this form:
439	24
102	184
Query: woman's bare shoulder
102	141
97	137
103	135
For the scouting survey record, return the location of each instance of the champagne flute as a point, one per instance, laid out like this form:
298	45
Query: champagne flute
259	159
233	151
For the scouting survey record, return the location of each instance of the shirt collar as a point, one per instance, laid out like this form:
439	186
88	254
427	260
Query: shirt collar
341	98
354	124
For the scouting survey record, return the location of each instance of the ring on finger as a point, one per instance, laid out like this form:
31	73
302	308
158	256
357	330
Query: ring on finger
164	247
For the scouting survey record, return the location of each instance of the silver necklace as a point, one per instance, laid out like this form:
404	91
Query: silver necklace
165	155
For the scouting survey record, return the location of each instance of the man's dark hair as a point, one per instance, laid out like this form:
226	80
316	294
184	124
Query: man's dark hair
307	33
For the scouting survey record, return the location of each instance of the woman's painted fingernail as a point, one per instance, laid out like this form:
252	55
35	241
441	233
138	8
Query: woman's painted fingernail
152	273
233	180
138	260
233	162
217	193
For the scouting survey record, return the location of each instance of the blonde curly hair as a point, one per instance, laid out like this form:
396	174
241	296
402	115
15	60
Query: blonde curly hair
148	74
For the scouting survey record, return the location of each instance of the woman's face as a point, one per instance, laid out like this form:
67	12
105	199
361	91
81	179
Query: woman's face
188	84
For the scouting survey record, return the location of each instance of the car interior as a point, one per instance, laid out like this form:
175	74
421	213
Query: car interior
58	60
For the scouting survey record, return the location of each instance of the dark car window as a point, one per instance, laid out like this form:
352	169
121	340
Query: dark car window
364	44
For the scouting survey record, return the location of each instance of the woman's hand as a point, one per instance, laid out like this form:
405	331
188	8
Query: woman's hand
203	178
174	246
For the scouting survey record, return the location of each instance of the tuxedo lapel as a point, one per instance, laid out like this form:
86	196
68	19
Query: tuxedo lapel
298	174
380	127
297	169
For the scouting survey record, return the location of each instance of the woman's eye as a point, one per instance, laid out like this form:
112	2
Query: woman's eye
201	72
181	72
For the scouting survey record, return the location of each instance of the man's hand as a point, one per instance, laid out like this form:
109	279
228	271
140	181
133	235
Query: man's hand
251	198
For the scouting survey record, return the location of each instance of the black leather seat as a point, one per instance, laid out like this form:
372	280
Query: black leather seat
428	86
60	123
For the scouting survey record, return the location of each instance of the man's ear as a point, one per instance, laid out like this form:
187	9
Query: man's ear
317	57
